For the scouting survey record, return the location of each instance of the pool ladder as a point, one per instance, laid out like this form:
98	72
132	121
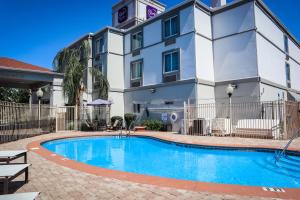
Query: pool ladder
131	126
279	155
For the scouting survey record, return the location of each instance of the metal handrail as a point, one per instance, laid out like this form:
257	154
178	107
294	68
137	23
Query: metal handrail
282	153
132	123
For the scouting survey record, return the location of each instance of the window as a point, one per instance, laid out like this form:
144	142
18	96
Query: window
136	70
101	45
286	44
171	27
97	46
171	62
136	73
137	40
288	75
136	108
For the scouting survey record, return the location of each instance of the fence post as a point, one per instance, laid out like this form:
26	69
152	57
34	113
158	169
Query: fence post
75	118
285	131
56	119
184	118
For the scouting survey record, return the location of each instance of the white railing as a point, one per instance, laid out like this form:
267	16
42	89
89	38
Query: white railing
248	119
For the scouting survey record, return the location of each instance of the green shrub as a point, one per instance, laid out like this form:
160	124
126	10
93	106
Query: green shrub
153	124
114	118
129	117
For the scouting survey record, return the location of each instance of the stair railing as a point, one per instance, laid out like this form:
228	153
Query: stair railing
282	153
134	122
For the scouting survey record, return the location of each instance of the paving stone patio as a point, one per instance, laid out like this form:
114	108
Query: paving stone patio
58	182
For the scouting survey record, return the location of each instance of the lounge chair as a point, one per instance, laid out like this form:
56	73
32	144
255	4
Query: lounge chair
8	156
20	196
10	172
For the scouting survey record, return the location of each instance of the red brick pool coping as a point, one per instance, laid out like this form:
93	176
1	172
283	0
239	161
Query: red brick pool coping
290	193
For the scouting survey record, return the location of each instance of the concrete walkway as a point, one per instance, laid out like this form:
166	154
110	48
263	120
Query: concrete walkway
58	182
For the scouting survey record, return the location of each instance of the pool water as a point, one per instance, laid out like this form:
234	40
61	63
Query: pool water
149	156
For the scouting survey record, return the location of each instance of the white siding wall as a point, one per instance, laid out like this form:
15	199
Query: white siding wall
117	108
187	20
152	33
141	11
205	94
235	57
294	51
203	23
270	93
204	59
115	43
56	94
152	56
234	20
271	62
268	28
115	66
295	75
127	44
115	72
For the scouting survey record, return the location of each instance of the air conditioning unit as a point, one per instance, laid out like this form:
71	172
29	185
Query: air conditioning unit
171	78
136	83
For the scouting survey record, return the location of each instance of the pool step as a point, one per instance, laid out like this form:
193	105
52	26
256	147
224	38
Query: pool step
289	165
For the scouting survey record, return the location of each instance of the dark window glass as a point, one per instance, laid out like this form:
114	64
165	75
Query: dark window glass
101	45
136	108
136	70
171	62
171	27
288	75
286	44
137	40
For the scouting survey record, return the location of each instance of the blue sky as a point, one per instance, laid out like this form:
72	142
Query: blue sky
35	30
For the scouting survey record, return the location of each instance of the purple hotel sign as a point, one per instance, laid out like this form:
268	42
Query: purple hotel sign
123	14
151	11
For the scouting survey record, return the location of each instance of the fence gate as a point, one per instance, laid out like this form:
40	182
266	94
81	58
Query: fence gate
292	118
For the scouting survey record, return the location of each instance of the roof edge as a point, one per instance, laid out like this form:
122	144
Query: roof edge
32	71
277	21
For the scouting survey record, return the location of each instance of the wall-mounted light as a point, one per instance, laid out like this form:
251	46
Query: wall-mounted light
153	90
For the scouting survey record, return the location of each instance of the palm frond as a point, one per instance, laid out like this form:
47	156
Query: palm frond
73	64
102	83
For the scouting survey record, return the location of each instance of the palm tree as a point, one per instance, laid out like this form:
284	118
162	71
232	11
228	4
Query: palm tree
73	63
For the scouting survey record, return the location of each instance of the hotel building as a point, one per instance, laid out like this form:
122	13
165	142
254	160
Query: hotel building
154	56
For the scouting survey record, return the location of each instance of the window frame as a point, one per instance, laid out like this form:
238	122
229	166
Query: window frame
131	67
103	47
286	44
142	43
136	108
164	61
177	26
288	74
97	46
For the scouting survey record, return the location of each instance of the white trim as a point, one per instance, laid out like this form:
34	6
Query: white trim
133	49
164	28
164	61
141	66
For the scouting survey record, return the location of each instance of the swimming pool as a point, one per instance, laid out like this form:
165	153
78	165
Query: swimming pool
148	156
